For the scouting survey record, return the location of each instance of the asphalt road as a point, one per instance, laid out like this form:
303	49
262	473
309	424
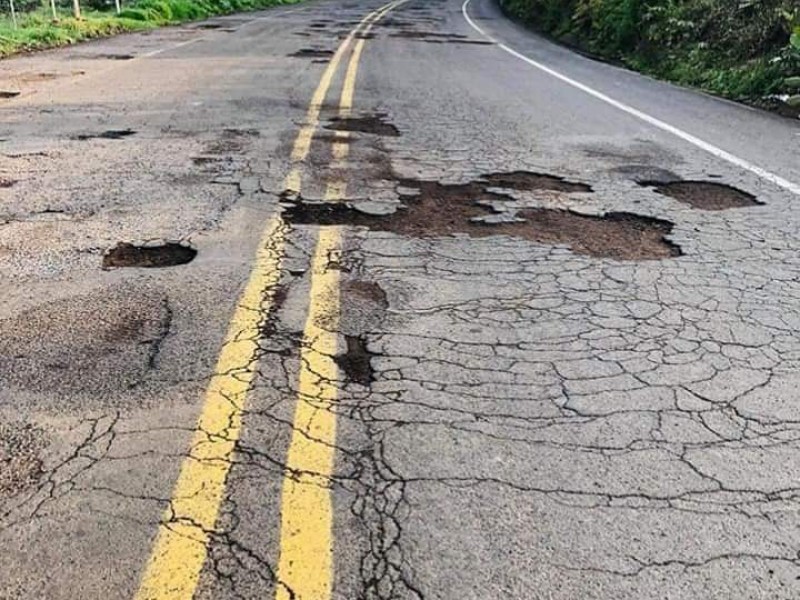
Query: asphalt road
459	314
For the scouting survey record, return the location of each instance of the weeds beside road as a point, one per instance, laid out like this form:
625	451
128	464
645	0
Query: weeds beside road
747	51
38	29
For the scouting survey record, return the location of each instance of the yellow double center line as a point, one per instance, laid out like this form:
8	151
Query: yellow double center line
305	570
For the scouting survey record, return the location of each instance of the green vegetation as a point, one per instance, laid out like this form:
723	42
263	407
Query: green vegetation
747	50
36	28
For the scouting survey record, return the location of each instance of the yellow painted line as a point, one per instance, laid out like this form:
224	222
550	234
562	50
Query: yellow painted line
305	565
181	544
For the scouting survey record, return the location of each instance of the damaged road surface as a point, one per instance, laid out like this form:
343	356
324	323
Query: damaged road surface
355	301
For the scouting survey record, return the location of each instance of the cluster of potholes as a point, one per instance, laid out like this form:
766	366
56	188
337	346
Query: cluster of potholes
432	209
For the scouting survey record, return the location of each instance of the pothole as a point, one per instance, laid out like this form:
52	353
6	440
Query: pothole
111	134
436	210
375	124
6	183
312	53
355	362
112	56
6	94
528	181
20	464
438	38
155	256
704	195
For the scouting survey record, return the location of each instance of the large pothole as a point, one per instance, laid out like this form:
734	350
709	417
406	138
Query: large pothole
312	53
704	195
374	124
149	256
111	134
436	209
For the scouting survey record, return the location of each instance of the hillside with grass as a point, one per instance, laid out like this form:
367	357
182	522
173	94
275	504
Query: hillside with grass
746	50
35	24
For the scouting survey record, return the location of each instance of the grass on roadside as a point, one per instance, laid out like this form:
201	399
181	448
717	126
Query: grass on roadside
38	30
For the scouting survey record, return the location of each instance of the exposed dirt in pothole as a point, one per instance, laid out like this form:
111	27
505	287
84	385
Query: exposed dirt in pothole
438	38
527	181
111	56
164	255
437	209
375	124
355	362
21	466
111	134
6	94
312	53
704	195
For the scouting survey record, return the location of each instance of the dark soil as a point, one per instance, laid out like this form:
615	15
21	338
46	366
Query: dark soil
111	134
438	38
375	124
704	195
312	53
526	180
165	255
437	210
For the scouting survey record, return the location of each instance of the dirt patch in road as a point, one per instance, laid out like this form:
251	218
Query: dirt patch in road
312	53
20	464
528	181
156	256
437	209
111	134
374	124
110	56
704	195
438	38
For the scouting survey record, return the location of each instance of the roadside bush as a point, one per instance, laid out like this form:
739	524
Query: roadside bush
739	49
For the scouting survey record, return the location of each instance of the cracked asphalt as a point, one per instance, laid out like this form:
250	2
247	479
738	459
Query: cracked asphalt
566	353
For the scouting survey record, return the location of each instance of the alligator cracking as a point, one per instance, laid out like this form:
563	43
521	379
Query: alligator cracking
437	209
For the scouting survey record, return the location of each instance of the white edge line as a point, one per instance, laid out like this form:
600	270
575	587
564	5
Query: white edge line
688	137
